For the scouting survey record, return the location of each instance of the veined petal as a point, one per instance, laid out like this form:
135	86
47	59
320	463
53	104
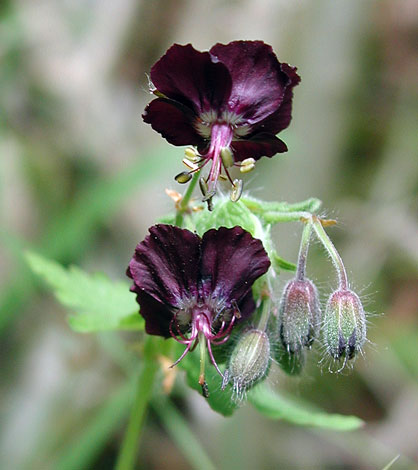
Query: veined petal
281	118
157	315
231	261
258	82
257	146
173	121
165	264
192	78
246	306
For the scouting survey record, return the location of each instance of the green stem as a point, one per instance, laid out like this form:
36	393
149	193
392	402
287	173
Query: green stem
275	217
129	449
184	203
261	207
303	251
265	314
332	251
181	434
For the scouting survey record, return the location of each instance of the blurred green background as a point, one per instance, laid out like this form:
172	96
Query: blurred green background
82	178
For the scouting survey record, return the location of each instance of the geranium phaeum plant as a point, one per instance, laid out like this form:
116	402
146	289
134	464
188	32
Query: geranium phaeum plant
196	289
219	277
229	103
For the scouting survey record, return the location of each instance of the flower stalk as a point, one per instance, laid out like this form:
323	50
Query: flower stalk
303	251
129	448
332	251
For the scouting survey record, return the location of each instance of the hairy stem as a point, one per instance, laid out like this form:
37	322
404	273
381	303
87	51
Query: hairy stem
332	251
303	251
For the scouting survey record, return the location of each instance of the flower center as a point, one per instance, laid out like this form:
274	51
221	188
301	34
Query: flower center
201	321
208	119
219	153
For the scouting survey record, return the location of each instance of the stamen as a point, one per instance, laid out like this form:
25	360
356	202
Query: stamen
203	185
213	359
227	157
236	190
190	164
247	165
183	177
183	355
191	154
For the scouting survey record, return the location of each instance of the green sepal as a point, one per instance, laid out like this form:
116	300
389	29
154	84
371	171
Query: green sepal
227	214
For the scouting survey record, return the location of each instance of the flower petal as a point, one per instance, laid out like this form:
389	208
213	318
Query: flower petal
157	316
260	145
192	78
281	118
258	82
231	261
165	265
173	121
246	306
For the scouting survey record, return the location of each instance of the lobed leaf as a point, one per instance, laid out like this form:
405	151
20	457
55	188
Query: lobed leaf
98	303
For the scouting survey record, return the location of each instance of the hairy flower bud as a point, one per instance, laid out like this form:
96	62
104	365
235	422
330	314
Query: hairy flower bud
344	324
299	315
249	362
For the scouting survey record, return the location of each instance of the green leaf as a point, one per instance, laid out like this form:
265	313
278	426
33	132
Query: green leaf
219	400
280	263
275	406
99	303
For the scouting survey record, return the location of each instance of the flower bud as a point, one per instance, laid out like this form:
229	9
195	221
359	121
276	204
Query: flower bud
249	362
344	324
299	315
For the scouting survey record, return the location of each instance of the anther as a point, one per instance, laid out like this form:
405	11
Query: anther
247	165
191	154
227	157
203	185
236	190
183	177
189	164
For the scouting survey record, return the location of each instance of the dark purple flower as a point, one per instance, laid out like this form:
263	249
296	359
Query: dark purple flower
194	288
229	102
